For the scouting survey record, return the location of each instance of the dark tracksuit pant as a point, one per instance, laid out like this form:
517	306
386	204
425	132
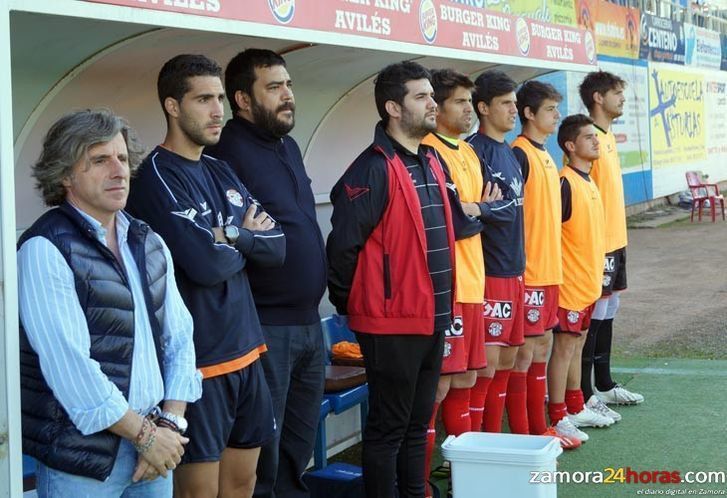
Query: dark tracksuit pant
403	373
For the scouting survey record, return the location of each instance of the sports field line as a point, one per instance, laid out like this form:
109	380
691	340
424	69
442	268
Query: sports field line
671	371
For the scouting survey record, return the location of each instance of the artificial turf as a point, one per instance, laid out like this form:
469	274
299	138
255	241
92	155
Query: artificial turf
680	427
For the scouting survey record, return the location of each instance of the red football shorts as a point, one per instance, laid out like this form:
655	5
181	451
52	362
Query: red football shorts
464	342
574	322
503	311
541	309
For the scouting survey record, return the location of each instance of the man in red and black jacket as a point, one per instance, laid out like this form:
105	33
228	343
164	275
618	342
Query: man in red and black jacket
391	270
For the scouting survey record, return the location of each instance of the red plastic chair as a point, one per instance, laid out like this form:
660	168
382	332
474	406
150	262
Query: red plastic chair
702	192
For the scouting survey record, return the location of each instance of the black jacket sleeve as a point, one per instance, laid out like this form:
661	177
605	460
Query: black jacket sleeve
522	158
359	199
497	212
565	200
464	226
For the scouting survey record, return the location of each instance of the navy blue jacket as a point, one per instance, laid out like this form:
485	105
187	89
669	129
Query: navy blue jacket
503	241
103	290
183	200
272	169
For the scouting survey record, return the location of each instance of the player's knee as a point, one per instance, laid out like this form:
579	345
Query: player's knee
198	489
241	484
489	370
445	381
465	380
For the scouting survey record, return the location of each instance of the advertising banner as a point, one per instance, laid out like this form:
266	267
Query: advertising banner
702	47
662	40
616	27
676	100
553	11
437	23
715	99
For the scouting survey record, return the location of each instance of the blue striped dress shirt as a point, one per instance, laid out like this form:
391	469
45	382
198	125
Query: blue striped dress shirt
57	330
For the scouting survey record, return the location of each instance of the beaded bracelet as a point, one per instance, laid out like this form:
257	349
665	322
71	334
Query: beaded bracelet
148	431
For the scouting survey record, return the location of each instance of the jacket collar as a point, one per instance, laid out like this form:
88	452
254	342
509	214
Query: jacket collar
382	141
136	227
258	134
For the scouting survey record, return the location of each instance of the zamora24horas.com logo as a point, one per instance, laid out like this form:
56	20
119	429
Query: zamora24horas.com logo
627	475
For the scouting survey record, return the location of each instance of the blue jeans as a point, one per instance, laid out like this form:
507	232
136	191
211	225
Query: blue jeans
295	371
53	483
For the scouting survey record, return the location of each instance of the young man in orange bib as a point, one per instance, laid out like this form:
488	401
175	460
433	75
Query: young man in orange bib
537	105
603	95
464	346
582	236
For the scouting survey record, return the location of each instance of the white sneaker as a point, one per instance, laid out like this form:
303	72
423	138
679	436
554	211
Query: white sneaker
589	418
619	395
566	428
598	406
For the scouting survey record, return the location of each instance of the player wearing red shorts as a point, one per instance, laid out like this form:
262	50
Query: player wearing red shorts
464	346
494	99
583	242
537	104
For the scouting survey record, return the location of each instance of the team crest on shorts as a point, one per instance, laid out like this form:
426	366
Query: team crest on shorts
572	317
495	329
606	280
533	315
447	350
234	197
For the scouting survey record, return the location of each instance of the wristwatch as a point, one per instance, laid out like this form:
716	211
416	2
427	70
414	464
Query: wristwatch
232	233
179	422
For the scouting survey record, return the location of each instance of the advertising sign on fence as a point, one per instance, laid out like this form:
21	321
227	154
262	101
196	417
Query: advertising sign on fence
702	47
676	111
662	40
616	27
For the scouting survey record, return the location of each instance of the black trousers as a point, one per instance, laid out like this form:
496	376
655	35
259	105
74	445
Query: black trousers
402	372
295	371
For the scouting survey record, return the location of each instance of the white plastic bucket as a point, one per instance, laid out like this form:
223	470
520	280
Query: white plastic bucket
500	465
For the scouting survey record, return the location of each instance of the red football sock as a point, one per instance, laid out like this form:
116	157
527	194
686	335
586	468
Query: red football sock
556	412
516	401
456	411
574	400
431	436
495	402
536	399
478	394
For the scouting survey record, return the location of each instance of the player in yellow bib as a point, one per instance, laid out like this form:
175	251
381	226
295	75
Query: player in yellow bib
603	95
582	243
537	104
464	347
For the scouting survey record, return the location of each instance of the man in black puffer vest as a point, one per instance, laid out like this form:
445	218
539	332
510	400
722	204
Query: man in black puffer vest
105	336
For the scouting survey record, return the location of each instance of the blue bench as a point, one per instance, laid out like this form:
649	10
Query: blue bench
336	329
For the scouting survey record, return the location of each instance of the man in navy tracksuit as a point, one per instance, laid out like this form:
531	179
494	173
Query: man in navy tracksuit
502	242
256	144
214	230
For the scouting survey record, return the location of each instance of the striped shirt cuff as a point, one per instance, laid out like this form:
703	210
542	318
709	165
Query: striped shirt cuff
182	385
93	420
